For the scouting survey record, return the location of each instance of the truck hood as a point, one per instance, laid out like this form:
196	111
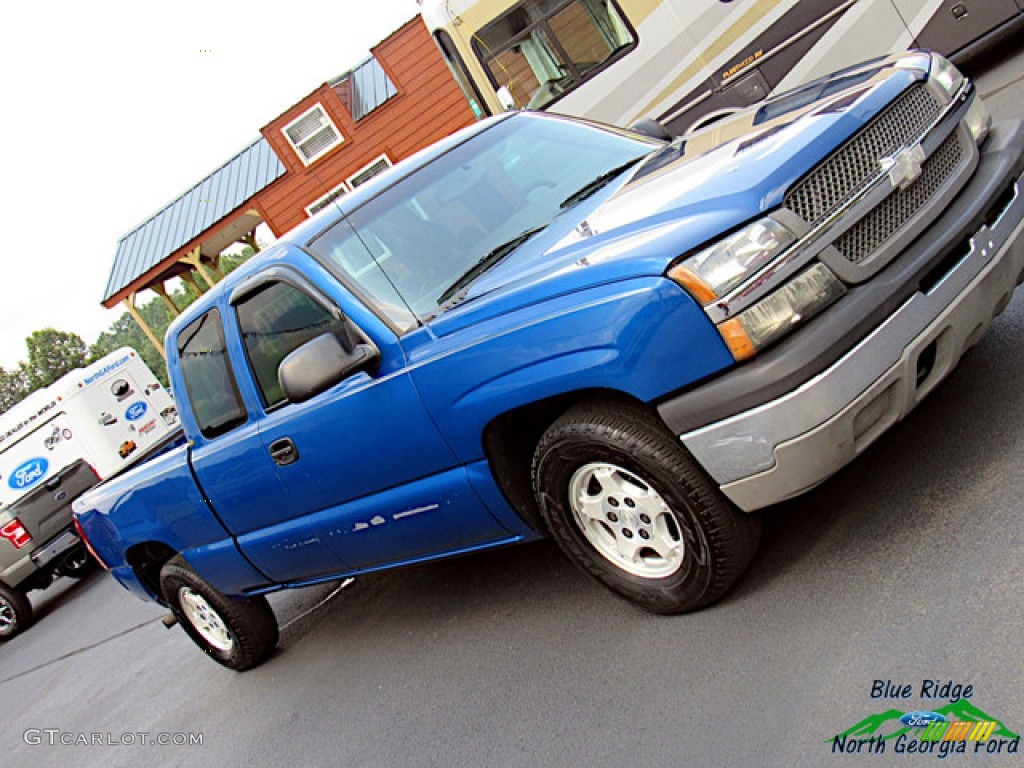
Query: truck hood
688	193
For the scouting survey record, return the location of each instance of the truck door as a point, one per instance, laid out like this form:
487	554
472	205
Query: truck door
231	465
362	463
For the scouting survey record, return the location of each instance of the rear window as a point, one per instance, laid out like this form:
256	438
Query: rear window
209	380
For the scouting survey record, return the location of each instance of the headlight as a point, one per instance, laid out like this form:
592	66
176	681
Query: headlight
946	75
978	120
714	271
951	80
781	311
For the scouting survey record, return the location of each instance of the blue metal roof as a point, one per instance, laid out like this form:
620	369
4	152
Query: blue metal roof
213	198
371	87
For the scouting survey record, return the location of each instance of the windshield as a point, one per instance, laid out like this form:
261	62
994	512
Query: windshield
408	250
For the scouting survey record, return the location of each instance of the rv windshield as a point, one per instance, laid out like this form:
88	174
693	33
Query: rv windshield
540	49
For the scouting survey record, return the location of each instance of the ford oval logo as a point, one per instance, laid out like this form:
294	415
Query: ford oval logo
136	411
922	719
28	474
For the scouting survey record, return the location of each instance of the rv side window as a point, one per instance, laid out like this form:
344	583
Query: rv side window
542	49
209	380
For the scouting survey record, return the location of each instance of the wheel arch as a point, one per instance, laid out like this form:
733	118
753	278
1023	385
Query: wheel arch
509	441
146	559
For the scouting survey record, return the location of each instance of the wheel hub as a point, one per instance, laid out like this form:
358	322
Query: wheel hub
205	619
626	520
7	617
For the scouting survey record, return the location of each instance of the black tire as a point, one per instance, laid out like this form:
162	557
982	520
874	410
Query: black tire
646	522
238	633
78	565
15	612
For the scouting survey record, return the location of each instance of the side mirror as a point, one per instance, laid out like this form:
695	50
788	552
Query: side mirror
321	363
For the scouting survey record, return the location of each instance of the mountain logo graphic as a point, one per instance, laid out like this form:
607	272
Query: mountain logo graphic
893	723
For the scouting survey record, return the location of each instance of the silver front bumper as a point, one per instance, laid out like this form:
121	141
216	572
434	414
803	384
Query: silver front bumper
782	448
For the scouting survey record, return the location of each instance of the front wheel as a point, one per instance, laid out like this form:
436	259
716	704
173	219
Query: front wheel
15	612
631	508
237	633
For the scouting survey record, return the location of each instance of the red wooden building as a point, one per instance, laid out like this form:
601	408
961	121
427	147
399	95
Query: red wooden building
398	101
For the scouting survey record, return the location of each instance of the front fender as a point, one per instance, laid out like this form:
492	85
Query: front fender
644	337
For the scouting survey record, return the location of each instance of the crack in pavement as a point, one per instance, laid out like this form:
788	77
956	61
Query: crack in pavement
77	651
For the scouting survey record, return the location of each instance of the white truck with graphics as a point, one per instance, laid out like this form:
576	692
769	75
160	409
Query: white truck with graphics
55	445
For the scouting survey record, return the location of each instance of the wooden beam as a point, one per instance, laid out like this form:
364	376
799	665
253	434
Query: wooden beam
129	304
190	281
195	259
249	238
161	291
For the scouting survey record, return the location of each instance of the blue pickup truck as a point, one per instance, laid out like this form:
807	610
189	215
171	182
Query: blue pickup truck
543	326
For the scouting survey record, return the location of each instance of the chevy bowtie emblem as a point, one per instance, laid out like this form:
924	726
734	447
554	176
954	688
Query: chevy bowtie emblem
904	167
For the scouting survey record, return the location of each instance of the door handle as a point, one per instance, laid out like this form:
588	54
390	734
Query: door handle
284	452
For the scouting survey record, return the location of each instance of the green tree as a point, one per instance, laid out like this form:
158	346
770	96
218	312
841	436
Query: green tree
232	261
51	354
13	387
125	332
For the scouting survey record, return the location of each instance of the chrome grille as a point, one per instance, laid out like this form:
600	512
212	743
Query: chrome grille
868	234
839	178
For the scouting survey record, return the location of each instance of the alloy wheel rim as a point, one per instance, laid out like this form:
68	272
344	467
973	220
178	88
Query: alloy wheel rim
626	520
8	619
205	619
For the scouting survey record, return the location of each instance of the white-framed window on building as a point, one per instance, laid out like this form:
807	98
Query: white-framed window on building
312	134
366	173
318	205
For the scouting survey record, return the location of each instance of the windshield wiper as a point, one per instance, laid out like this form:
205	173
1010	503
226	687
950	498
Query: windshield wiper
492	257
593	186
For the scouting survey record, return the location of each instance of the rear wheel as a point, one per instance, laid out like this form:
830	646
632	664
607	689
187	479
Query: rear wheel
238	633
631	508
15	612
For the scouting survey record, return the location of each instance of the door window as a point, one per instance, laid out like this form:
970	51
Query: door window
209	380
278	319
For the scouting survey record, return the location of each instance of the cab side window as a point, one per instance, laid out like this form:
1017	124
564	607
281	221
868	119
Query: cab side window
278	319
209	380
